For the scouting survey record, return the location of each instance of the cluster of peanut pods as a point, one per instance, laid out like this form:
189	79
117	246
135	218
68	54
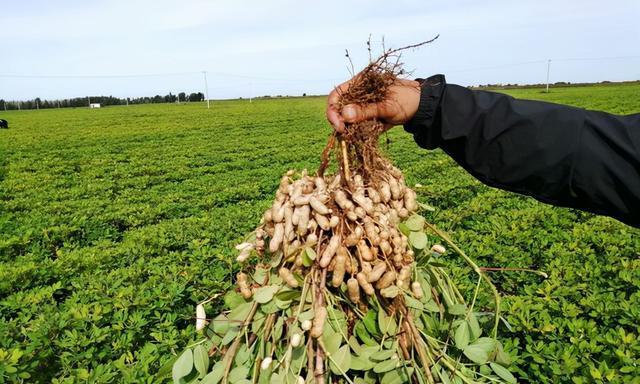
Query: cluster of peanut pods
351	231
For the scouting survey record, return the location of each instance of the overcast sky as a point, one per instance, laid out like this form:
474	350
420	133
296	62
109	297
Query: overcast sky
291	47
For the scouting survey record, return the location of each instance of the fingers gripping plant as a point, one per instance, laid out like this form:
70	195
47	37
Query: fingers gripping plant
339	283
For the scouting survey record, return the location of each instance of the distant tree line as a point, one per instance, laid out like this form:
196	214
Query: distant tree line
76	102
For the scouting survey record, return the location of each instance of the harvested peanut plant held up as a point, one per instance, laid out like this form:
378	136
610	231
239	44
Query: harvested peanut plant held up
340	284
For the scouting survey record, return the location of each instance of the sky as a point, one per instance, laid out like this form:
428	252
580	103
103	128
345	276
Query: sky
128	48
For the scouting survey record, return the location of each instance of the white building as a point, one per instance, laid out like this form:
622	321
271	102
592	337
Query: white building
94	105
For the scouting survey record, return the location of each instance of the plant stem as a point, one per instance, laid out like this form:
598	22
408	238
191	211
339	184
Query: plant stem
494	290
475	295
341	371
231	352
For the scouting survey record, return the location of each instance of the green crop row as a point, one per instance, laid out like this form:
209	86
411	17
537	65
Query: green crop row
115	222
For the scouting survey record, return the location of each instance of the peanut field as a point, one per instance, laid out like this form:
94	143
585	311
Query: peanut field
115	222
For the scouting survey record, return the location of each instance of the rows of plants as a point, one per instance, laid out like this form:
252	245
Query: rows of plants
114	223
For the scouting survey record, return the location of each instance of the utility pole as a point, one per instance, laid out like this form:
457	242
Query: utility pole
251	93
89	100
206	89
127	101
548	70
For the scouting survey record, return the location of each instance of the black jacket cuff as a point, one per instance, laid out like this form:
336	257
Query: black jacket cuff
425	124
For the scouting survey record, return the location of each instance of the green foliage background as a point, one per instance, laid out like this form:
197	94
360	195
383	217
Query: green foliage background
115	222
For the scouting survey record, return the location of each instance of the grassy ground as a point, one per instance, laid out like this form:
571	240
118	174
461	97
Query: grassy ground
115	222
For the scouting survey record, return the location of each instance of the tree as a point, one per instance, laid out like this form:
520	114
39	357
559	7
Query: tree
196	96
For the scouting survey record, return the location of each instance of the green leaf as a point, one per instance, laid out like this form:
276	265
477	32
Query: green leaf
457	309
502	357
474	327
337	320
413	303
183	366
355	346
306	261
215	375
415	222
462	335
282	304
503	373
265	294
330	339
275	378
238	373
385	366
260	275
480	351
485	370
370	322
361	363
229	336
418	240
310	253
242	355
397	376
166	368
402	227
240	313
369	350
444	376
232	299
298	358
383	355
307	315
341	360
277	328
258	321
201	360
269	307
437	264
363	335
426	207
288	294
275	261
386	323
431	306
220	324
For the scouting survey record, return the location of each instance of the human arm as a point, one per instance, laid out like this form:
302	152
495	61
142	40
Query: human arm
558	154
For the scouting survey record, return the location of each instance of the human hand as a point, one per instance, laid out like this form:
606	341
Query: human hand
399	107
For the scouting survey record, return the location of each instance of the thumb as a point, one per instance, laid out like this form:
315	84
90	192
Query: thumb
353	113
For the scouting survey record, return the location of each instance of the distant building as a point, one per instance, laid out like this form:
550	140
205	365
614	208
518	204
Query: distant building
94	105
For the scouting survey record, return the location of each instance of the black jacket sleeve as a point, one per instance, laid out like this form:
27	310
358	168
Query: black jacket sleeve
558	154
